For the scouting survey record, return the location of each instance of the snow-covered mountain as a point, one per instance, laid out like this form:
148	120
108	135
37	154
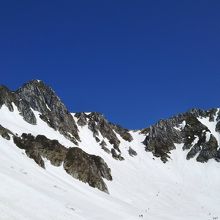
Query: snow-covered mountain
57	165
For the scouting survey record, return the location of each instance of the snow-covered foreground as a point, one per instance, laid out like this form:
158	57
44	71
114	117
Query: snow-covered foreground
142	188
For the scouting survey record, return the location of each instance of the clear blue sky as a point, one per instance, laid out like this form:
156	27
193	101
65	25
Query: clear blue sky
135	61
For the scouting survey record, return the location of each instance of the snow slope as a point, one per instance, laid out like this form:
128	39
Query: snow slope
142	188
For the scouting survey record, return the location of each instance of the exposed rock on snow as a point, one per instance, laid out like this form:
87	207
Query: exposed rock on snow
9	98
35	95
162	137
43	99
35	120
132	152
100	126
5	133
85	167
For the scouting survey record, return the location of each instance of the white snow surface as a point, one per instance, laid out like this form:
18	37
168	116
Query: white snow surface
142	188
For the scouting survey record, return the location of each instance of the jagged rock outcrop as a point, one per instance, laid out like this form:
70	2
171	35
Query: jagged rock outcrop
187	129
6	97
5	133
211	113
218	127
37	96
161	138
31	147
192	130
99	125
79	164
87	168
116	155
82	119
40	147
43	99
103	146
132	152
209	150
123	132
9	98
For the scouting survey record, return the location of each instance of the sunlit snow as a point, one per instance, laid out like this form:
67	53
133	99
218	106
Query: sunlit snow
143	187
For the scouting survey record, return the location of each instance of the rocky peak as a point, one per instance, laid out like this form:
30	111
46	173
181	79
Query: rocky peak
36	95
9	98
186	129
190	129
41	97
6	97
211	113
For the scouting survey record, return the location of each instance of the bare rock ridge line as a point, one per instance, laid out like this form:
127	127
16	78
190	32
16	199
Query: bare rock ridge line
200	140
101	127
36	96
187	129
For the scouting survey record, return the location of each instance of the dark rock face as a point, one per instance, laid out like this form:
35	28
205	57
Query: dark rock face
161	138
98	124
27	142
132	152
123	132
85	167
209	150
43	99
39	97
218	127
194	128
7	97
187	129
194	150
211	113
116	155
82	121
5	133
103	146
41	147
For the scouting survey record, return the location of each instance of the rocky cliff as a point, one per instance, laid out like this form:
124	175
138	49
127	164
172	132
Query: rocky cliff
196	131
197	138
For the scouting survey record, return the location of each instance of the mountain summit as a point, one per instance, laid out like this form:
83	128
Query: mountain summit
81	166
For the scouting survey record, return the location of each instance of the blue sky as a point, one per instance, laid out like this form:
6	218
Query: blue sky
134	61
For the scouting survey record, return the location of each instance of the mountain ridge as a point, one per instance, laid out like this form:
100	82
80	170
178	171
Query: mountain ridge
86	147
160	137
